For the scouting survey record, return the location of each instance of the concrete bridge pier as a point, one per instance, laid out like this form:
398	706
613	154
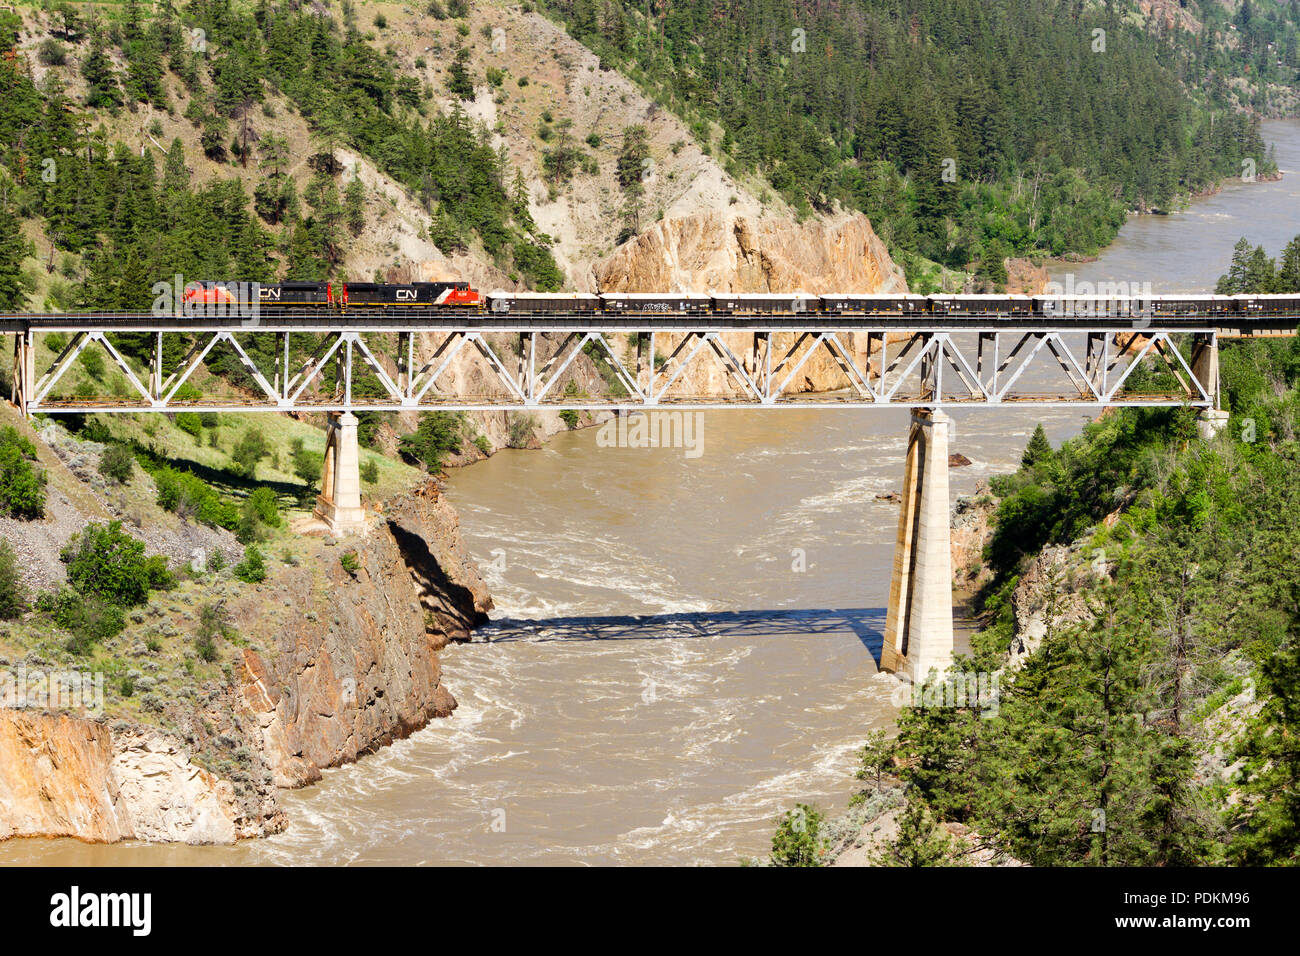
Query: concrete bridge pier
918	620
339	501
1205	366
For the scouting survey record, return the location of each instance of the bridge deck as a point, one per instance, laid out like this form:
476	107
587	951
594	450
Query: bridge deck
447	320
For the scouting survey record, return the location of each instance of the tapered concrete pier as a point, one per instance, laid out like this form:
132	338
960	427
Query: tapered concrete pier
339	501
918	621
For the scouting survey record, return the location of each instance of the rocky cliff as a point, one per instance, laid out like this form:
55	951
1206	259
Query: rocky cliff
735	253
329	665
715	251
363	670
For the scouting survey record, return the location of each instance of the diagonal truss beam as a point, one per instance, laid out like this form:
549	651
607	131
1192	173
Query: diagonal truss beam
927	367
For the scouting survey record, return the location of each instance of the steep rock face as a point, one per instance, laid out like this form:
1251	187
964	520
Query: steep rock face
714	251
363	670
56	779
724	253
972	528
338	666
66	776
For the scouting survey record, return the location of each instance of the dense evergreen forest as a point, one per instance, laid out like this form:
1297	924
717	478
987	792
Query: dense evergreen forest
132	222
967	130
1105	747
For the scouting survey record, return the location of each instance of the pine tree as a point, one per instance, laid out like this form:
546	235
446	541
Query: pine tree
355	205
1038	450
13	249
920	841
1267	819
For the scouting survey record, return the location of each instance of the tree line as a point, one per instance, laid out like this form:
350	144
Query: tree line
965	130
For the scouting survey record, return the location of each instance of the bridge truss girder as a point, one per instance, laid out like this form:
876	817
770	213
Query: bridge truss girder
989	366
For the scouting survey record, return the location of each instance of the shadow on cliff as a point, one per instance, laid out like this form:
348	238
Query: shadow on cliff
866	623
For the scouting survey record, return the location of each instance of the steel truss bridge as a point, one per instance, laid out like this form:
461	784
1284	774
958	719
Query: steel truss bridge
904	361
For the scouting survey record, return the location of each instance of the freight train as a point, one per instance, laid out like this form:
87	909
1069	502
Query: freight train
437	297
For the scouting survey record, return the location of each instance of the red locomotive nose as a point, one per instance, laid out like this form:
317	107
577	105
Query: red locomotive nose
209	295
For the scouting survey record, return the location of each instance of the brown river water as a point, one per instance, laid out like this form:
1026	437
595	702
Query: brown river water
660	680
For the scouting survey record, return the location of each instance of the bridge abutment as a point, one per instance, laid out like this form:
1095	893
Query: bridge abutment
918	620
339	501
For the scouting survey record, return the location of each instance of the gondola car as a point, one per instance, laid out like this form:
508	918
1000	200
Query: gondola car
903	303
763	302
380	295
1272	304
505	302
1184	304
655	303
987	304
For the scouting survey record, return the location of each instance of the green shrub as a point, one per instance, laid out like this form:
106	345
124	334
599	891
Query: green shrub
520	430
92	360
90	619
349	561
22	484
107	563
191	423
214	623
798	840
13	596
115	463
261	509
370	471
253	568
249	452
266	506
437	434
570	418
190	496
306	465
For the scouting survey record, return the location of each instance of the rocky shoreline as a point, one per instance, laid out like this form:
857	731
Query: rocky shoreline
334	665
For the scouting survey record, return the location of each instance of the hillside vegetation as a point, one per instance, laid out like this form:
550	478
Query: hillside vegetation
1142	616
966	130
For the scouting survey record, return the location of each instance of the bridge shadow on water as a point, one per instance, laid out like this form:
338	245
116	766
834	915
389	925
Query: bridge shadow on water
865	623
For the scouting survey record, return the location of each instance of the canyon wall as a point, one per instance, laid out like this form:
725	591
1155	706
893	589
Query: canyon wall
330	665
714	251
720	252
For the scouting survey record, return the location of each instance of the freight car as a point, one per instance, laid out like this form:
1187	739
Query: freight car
655	303
503	302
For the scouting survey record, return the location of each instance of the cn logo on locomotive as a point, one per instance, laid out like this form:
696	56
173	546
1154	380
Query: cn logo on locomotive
407	295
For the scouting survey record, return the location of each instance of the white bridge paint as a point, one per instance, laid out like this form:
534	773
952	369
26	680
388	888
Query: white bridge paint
970	363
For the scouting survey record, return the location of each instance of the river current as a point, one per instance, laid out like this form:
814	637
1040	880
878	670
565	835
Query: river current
683	647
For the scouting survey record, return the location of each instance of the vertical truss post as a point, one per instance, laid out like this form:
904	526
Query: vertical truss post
650	379
530	386
156	369
282	372
347	381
